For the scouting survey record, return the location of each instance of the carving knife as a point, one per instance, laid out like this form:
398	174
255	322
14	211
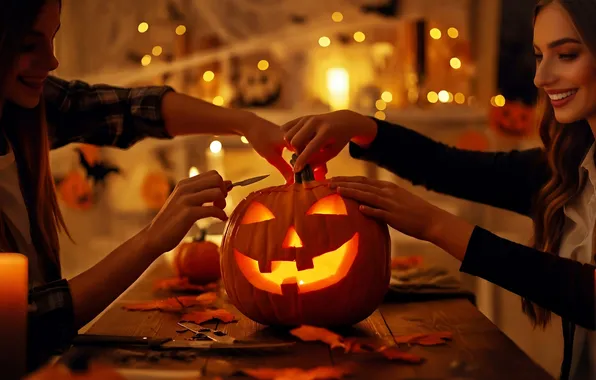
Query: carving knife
248	181
172	344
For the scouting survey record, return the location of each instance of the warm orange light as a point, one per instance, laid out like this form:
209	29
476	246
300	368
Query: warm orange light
292	240
328	269
257	212
330	205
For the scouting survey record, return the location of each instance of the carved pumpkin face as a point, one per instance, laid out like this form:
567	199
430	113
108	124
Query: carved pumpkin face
301	254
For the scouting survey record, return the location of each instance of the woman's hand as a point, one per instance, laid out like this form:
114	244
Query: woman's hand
193	198
319	138
407	213
267	140
391	204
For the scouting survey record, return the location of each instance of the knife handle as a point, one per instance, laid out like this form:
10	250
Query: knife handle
116	340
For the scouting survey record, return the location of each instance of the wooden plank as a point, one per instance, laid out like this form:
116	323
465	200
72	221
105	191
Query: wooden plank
370	365
302	355
478	350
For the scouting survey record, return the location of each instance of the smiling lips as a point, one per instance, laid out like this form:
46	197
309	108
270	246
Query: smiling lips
35	83
561	97
329	268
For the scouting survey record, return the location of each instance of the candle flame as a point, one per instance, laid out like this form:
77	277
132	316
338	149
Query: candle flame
193	172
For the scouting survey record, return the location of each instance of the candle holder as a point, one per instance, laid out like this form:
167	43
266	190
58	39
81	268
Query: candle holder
14	292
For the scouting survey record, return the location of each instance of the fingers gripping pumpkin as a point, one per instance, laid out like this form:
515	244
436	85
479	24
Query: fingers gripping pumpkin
301	254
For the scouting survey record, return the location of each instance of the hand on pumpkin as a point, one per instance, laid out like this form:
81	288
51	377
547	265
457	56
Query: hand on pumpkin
267	140
391	204
193	198
319	138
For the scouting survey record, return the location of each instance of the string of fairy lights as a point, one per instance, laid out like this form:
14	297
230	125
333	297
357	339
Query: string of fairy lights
441	96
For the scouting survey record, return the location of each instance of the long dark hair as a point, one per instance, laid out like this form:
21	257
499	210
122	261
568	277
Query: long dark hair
565	147
27	132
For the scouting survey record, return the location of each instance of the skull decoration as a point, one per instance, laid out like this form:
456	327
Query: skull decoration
302	254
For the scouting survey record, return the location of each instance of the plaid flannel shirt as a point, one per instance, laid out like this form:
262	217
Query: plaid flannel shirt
99	115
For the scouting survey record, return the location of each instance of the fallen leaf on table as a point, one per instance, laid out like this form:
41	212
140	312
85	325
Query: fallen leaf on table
199	317
204	299
394	353
354	345
358	346
406	262
177	284
311	333
297	373
425	339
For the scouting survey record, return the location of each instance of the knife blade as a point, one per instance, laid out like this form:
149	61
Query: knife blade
172	344
248	181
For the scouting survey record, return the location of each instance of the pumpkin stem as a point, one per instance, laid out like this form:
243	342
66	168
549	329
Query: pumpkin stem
201	236
305	175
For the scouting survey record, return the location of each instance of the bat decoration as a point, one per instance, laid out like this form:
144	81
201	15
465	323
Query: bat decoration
98	171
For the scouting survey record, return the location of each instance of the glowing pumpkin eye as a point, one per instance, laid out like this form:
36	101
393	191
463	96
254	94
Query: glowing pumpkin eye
256	213
330	205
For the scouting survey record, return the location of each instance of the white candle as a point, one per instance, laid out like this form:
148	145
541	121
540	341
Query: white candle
338	85
13	314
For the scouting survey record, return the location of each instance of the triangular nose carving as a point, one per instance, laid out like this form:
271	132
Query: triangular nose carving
292	240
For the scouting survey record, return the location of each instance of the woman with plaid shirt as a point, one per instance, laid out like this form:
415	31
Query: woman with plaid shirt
38	113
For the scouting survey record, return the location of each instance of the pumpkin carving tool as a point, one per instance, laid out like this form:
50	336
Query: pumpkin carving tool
248	181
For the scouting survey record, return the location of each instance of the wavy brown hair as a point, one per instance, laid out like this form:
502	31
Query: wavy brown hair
26	131
565	147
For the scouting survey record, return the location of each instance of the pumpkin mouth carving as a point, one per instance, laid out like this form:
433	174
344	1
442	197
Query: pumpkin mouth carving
328	269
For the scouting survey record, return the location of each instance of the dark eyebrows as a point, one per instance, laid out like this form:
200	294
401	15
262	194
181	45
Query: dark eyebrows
37	33
560	42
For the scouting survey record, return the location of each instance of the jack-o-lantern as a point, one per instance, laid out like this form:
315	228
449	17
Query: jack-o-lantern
301	254
76	191
197	260
155	190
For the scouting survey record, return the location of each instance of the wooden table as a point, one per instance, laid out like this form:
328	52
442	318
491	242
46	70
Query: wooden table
478	349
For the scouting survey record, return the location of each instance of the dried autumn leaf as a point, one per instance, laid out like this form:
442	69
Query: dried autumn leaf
204	299
406	262
311	333
177	284
297	373
394	353
358	345
199	317
425	339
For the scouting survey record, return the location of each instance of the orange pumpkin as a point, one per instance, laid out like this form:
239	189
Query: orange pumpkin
301	254
473	140
513	119
198	261
76	191
155	190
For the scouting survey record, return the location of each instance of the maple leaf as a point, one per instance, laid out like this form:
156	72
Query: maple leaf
353	344
311	333
358	345
406	262
394	353
425	339
181	284
199	317
204	299
322	372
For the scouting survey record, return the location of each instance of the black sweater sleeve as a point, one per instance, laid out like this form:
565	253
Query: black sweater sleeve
507	180
564	286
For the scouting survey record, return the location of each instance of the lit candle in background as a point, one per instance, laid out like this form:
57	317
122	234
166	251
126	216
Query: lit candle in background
338	85
13	314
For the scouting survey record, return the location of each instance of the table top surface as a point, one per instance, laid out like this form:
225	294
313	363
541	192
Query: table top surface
478	349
